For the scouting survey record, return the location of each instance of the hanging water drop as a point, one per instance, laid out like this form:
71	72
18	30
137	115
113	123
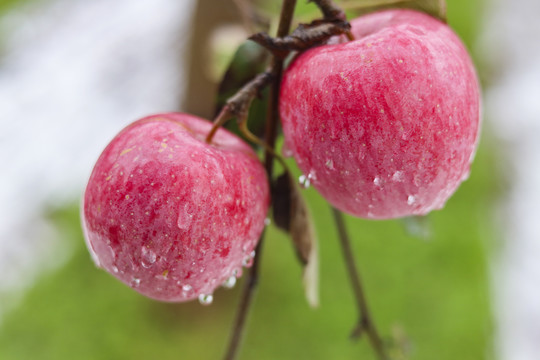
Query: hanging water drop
267	221
229	282
135	282
206	299
304	181
248	260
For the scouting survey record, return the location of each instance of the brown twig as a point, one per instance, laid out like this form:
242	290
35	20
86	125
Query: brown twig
365	322
303	37
330	10
238	105
287	11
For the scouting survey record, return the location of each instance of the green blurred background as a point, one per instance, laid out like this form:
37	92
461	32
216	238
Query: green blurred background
431	293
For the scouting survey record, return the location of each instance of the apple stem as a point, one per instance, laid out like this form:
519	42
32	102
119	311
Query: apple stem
254	139
365	322
287	13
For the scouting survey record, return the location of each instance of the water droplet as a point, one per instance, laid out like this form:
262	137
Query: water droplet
148	257
248	260
411	199
205	299
135	282
185	217
329	164
238	273
229	282
398	176
267	221
286	150
115	269
304	181
187	288
377	181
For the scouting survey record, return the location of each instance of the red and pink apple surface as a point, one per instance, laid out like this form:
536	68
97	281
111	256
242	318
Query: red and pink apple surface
171	215
386	125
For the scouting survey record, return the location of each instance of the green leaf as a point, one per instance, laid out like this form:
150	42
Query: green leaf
249	60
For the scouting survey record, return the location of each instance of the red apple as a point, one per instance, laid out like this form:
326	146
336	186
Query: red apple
386	125
171	215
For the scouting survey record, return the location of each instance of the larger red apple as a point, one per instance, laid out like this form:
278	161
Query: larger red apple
386	125
169	214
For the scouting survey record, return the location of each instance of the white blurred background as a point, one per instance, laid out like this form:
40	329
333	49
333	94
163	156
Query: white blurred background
66	86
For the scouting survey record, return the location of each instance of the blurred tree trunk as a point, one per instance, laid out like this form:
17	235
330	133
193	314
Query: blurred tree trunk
208	15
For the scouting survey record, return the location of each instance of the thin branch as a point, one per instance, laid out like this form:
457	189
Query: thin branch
287	11
245	304
365	322
238	105
330	10
304	37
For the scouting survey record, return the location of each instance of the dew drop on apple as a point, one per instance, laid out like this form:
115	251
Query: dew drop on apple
186	288
135	282
229	282
411	199
206	299
329	164
304	181
185	217
397	176
377	181
267	221
148	257
248	260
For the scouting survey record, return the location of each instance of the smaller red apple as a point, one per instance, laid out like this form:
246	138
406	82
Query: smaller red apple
170	215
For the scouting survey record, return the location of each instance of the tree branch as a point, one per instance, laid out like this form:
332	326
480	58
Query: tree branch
287	12
365	322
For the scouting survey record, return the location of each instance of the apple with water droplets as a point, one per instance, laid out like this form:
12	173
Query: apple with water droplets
386	125
171	215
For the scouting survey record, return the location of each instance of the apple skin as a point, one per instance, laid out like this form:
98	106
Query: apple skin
170	215
386	125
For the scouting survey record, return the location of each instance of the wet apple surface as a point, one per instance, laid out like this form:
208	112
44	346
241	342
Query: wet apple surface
171	215
385	125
